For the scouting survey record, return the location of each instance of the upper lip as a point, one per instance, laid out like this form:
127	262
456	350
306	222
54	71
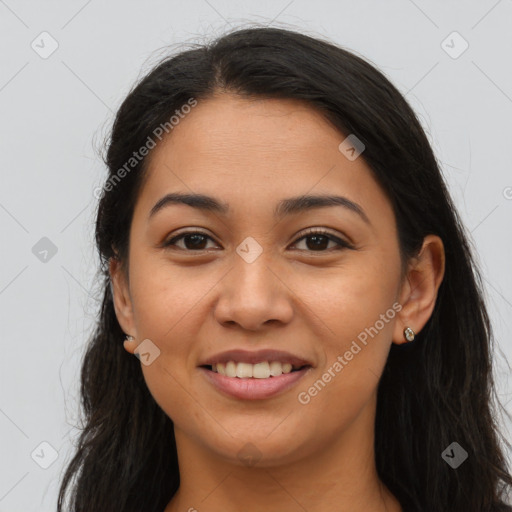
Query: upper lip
257	356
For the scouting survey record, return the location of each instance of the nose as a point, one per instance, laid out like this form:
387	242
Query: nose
253	295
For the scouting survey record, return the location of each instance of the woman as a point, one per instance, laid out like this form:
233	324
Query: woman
283	258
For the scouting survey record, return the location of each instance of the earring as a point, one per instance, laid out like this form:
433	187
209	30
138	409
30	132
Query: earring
129	338
409	334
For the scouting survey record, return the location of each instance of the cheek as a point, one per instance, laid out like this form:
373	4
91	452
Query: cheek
353	360
347	299
165	303
165	294
356	310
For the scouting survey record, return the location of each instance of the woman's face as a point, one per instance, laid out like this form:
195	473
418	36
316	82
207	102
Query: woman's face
252	281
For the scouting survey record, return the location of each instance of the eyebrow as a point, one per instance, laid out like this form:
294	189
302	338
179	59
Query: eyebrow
285	207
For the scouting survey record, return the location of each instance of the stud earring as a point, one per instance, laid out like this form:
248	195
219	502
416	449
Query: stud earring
129	338
409	334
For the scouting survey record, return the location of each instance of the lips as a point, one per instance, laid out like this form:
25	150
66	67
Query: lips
249	388
253	389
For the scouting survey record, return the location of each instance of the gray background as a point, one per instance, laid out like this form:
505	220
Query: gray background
56	110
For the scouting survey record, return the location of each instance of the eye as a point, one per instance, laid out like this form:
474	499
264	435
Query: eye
195	240
320	238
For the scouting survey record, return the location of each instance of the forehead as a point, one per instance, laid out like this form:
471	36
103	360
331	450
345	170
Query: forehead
241	129
255	152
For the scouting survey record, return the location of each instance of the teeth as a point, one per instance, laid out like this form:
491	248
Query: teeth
230	369
276	368
262	370
244	370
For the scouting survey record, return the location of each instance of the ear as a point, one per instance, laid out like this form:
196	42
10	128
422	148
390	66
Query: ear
418	292
122	302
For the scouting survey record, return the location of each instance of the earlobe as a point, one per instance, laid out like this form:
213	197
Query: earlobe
121	299
419	291
130	344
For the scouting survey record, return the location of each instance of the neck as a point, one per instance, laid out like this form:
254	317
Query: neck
338	475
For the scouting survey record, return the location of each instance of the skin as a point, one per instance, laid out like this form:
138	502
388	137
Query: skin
251	153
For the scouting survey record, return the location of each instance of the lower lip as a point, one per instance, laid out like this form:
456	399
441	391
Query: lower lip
254	389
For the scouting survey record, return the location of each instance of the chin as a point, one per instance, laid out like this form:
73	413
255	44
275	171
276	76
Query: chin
254	450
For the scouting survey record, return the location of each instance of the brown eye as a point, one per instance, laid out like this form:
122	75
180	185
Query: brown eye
193	240
320	240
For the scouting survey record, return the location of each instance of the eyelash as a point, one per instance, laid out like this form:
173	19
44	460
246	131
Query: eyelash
342	244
